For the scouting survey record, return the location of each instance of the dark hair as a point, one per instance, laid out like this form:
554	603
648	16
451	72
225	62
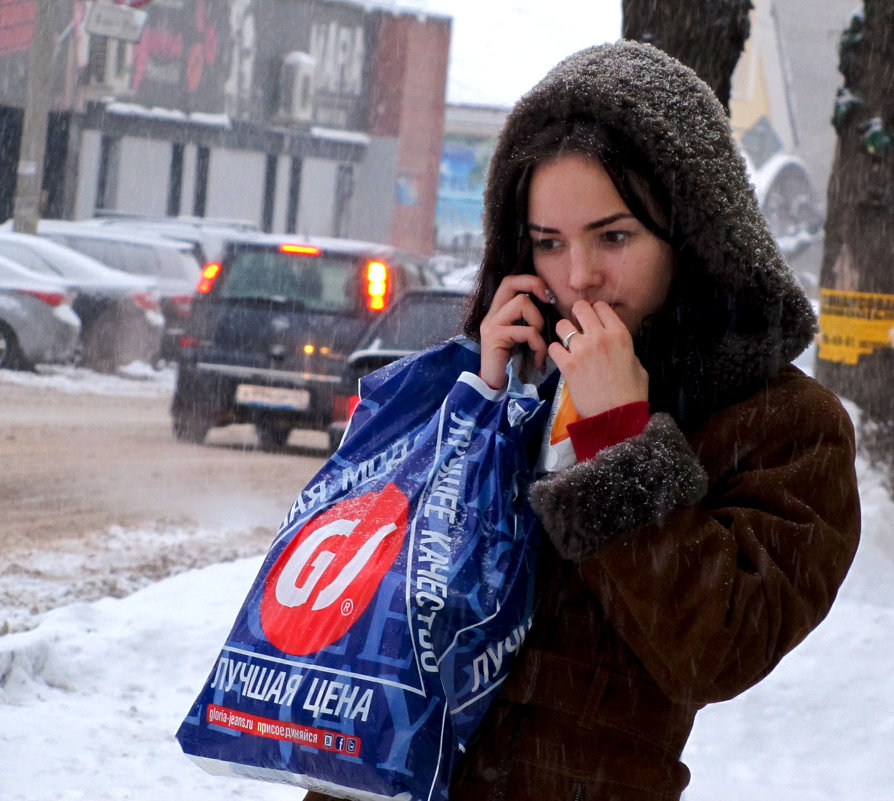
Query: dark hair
628	169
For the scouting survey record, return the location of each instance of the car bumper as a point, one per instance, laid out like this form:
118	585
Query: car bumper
57	343
223	394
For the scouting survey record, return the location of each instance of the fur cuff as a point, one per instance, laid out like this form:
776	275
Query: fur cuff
623	487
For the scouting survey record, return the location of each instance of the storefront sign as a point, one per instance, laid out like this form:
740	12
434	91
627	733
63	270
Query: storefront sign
116	22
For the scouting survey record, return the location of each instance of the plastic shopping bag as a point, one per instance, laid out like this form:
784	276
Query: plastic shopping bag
394	597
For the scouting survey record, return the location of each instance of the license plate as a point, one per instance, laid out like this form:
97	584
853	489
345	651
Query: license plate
274	397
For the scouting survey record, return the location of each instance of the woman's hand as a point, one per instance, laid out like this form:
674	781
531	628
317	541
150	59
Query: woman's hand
513	319
600	367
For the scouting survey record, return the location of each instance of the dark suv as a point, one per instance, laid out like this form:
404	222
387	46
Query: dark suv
271	326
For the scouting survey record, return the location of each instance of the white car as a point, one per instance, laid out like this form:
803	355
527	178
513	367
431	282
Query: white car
37	322
120	313
786	198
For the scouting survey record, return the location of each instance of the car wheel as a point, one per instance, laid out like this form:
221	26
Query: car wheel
190	429
11	356
272	436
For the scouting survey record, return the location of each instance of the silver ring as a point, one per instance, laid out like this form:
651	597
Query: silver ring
566	340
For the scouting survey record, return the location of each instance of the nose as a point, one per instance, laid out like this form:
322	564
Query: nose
585	270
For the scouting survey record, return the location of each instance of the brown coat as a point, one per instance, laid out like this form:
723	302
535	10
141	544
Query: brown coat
682	563
634	637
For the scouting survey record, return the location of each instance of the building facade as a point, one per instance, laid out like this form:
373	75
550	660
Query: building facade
301	116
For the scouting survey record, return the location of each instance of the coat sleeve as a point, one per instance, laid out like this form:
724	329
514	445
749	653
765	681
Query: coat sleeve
718	565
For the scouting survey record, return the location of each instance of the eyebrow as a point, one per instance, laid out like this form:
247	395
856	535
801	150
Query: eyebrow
540	229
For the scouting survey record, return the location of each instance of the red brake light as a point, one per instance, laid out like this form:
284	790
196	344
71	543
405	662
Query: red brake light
343	406
147	301
377	285
209	274
50	298
300	250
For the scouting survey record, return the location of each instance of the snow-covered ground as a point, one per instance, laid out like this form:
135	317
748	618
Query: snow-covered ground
135	379
91	697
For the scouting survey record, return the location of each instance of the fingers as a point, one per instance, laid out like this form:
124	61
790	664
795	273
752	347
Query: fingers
597	359
513	285
607	317
599	326
598	316
516	323
513	319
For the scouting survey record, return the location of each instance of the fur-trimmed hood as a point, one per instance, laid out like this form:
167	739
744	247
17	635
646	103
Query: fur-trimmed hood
737	315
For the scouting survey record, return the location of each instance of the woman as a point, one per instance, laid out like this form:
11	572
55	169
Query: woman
697	542
712	512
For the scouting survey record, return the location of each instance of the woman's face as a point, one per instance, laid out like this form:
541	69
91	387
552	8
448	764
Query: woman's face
587	245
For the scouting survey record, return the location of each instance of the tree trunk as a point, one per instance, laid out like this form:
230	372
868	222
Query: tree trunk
856	358
707	35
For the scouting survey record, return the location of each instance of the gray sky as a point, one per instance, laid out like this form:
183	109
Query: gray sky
501	48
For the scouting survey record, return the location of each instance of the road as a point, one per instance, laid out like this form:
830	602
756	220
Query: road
96	498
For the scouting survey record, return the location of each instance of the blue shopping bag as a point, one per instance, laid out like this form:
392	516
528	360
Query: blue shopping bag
394	597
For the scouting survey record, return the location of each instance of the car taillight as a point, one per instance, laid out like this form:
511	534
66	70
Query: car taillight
182	304
50	298
300	250
147	301
376	286
343	406
209	275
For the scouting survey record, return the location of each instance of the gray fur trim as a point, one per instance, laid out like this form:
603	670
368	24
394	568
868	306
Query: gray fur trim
624	487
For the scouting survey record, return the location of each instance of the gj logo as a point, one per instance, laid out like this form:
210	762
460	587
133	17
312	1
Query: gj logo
327	575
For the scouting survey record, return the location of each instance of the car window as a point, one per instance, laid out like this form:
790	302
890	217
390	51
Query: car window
139	259
412	274
318	283
178	264
70	262
127	256
27	258
418	321
95	248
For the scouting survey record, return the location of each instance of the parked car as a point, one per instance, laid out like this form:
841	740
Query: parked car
37	322
175	265
208	234
270	329
422	317
462	278
784	190
120	316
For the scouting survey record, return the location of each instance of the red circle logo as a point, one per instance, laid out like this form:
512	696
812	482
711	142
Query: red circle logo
327	575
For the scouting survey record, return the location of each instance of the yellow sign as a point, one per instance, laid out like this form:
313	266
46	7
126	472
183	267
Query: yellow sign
853	324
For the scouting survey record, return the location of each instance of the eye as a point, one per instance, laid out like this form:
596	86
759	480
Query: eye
616	237
545	244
